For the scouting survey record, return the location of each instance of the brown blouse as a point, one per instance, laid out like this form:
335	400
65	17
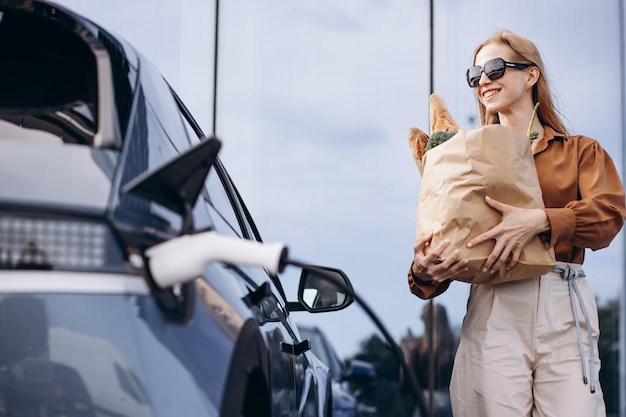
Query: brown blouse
583	196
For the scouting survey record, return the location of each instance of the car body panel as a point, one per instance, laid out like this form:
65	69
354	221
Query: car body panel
80	340
34	177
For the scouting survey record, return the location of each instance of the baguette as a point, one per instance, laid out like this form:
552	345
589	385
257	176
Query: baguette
442	128
417	143
440	118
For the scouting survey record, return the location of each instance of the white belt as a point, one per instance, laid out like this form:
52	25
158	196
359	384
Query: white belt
569	274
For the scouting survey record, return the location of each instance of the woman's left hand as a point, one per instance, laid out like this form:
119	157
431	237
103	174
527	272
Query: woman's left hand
518	227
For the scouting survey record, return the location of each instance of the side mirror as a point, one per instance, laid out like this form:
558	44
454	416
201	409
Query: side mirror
324	289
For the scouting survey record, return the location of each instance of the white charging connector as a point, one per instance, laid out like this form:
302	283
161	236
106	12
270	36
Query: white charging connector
184	258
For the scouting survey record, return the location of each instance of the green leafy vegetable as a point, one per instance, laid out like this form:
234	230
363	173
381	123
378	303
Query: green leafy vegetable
438	138
533	135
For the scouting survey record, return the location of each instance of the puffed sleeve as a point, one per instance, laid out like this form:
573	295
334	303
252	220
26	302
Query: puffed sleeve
426	289
597	215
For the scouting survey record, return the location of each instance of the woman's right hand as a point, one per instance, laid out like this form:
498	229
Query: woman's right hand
429	267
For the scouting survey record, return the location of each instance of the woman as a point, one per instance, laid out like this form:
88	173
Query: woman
439	336
529	347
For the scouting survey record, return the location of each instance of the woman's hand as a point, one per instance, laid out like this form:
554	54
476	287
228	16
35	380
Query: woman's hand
429	267
518	227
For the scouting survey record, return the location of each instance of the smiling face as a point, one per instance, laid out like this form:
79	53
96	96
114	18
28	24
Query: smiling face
510	94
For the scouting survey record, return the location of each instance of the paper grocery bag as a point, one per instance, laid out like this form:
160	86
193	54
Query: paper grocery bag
457	175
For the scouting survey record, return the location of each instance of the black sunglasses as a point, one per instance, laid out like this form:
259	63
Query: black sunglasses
493	69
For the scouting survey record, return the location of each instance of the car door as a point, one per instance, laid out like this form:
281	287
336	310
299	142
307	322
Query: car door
312	386
221	208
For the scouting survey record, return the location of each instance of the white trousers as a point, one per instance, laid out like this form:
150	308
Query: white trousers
519	353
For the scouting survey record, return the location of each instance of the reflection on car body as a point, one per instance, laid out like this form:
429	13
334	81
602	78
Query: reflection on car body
346	402
93	174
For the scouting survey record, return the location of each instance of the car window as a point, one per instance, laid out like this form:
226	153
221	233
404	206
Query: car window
148	148
219	201
214	207
247	223
159	97
220	206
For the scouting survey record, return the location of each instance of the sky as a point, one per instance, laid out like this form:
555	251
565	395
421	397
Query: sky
314	103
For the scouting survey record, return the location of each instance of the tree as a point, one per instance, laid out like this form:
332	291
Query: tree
608	347
386	392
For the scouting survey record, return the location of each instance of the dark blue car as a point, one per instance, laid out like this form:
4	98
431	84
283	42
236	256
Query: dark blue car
101	168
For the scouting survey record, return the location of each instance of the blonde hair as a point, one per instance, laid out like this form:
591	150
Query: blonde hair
525	52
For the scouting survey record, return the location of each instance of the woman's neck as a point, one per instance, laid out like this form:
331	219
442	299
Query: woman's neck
520	119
